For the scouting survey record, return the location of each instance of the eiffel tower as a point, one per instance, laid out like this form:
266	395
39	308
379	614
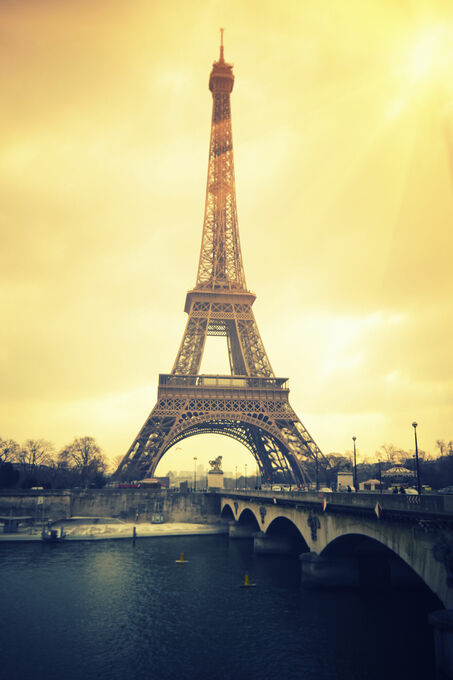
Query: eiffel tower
250	405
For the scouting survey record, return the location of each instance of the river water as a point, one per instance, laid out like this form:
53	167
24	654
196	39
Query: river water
115	610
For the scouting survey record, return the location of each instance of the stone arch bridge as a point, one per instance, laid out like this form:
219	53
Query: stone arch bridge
351	539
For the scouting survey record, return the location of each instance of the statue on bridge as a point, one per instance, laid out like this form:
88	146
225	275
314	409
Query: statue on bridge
216	464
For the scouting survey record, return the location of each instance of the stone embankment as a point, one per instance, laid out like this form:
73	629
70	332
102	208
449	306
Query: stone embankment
138	505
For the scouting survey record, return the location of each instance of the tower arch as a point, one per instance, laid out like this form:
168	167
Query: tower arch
260	439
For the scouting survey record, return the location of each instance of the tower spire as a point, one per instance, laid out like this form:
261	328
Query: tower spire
221	44
220	265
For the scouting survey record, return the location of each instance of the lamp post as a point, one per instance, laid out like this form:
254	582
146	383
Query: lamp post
245	482
195	473
380	475
317	471
236	473
419	488
355	465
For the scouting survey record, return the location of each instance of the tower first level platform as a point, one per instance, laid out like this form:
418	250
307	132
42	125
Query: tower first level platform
253	410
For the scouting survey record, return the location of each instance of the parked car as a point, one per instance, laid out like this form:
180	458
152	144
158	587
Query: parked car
446	489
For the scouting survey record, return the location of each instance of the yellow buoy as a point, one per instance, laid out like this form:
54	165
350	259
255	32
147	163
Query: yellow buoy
181	559
247	583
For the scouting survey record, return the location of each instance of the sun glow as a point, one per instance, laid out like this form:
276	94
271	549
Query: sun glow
429	53
424	64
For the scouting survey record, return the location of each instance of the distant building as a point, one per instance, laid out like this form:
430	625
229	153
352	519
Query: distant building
398	474
345	478
370	485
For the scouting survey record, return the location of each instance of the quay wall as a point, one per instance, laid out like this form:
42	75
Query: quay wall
38	505
141	504
128	504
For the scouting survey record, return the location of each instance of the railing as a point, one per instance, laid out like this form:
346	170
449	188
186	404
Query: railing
232	381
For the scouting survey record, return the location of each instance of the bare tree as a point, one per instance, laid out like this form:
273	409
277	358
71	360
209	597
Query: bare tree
85	456
392	454
9	450
34	453
114	462
339	461
441	445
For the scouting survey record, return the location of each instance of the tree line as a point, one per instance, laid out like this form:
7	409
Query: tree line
83	464
436	470
37	463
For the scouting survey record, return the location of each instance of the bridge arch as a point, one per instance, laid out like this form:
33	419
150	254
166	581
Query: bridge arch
283	527
227	513
382	562
248	518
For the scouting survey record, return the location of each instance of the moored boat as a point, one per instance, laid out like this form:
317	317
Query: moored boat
49	535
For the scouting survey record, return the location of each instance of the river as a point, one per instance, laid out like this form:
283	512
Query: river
118	610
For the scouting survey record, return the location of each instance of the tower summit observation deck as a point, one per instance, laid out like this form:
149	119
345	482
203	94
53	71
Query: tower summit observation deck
251	404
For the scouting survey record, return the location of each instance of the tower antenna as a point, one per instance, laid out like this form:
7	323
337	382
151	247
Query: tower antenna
221	44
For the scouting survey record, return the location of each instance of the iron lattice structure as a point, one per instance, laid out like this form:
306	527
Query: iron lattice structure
250	405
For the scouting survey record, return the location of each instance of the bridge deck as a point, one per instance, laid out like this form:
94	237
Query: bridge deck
429	506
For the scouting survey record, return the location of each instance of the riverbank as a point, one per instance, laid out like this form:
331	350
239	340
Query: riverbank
120	530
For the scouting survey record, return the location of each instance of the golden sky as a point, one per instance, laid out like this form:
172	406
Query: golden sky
343	135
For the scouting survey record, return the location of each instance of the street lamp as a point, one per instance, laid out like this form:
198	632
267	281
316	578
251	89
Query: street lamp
195	473
236	473
380	475
419	488
245	482
317	471
355	465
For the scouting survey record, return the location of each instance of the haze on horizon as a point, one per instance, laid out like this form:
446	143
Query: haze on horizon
343	136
